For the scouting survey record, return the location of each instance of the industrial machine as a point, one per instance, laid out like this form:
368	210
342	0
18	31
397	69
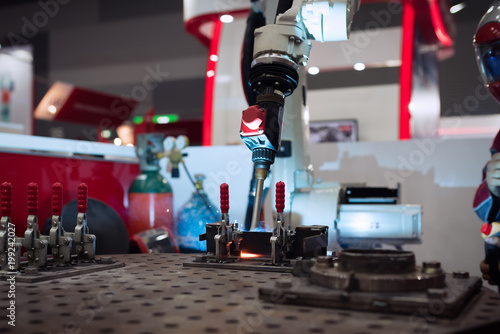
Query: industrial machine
280	51
276	130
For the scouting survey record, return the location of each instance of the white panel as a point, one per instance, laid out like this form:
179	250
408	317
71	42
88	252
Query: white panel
66	147
381	47
16	78
375	108
229	99
481	126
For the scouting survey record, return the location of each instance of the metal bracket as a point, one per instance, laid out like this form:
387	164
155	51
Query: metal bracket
60	244
36	247
84	241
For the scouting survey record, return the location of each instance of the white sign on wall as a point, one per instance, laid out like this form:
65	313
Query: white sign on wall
16	89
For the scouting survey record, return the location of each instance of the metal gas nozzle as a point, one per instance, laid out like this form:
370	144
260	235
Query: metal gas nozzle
260	177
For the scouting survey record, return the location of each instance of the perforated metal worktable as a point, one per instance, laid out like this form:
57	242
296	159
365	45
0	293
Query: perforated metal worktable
155	293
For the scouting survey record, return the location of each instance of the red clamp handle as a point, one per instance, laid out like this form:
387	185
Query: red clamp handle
224	198
6	198
57	199
280	196
82	198
32	199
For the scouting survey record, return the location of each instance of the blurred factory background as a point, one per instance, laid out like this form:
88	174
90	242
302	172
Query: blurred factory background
111	46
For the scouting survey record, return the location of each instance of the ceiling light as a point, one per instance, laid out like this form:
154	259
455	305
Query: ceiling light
313	70
105	133
359	66
163	120
52	109
117	141
392	63
226	18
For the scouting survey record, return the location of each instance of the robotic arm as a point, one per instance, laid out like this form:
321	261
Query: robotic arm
279	50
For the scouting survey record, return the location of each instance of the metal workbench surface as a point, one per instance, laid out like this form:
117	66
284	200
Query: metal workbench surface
155	293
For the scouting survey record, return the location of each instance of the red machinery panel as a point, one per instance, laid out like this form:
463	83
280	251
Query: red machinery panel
107	181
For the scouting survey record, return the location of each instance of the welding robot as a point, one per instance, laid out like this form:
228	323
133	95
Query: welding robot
487	199
275	126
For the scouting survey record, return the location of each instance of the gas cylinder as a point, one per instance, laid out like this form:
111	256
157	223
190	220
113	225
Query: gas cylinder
193	217
150	196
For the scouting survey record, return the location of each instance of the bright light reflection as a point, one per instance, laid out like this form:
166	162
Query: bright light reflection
457	7
226	18
163	120
359	66
52	109
161	237
313	70
412	107
105	133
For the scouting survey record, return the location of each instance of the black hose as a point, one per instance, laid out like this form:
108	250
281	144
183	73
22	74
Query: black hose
255	20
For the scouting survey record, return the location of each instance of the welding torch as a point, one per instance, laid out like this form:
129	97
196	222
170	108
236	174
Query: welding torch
272	78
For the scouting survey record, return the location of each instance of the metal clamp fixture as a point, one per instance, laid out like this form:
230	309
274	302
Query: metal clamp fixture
84	241
5	229
282	236
228	238
60	244
35	245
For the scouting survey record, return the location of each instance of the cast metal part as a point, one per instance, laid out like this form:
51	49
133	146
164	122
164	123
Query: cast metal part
154	293
378	271
382	281
448	301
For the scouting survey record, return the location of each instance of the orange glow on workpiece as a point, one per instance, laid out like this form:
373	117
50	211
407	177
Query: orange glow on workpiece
249	255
